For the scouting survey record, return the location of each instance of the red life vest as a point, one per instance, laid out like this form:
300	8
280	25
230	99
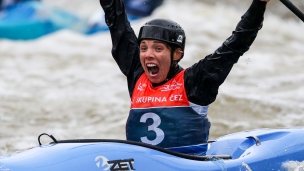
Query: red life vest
163	116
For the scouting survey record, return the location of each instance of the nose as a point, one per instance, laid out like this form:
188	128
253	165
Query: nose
149	53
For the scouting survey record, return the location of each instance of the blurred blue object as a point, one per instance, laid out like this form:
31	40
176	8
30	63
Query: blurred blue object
141	8
135	9
32	19
96	23
7	3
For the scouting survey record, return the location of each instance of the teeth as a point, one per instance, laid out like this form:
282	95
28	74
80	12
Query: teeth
151	65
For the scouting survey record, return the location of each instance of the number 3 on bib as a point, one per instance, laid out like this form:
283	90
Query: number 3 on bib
160	135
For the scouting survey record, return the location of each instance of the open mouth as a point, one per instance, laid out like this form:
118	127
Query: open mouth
153	69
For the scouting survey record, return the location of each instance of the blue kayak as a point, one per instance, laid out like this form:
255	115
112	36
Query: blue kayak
32	19
255	150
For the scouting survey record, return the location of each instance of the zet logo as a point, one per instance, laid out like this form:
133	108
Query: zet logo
114	165
102	162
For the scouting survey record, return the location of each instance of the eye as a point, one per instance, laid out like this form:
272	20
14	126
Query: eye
143	48
158	48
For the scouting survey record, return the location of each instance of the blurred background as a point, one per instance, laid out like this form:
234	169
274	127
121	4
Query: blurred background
64	82
85	8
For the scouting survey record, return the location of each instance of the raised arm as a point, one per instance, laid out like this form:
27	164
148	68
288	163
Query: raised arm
125	49
208	74
124	41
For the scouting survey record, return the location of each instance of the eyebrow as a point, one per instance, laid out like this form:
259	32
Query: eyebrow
157	41
154	41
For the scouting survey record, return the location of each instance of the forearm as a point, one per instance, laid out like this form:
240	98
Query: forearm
254	16
125	49
246	31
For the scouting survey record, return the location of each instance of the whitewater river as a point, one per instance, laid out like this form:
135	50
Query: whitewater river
67	84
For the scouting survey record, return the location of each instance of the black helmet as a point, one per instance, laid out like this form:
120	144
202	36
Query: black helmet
163	30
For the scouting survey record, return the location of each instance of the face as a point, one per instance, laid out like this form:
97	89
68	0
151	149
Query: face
155	59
